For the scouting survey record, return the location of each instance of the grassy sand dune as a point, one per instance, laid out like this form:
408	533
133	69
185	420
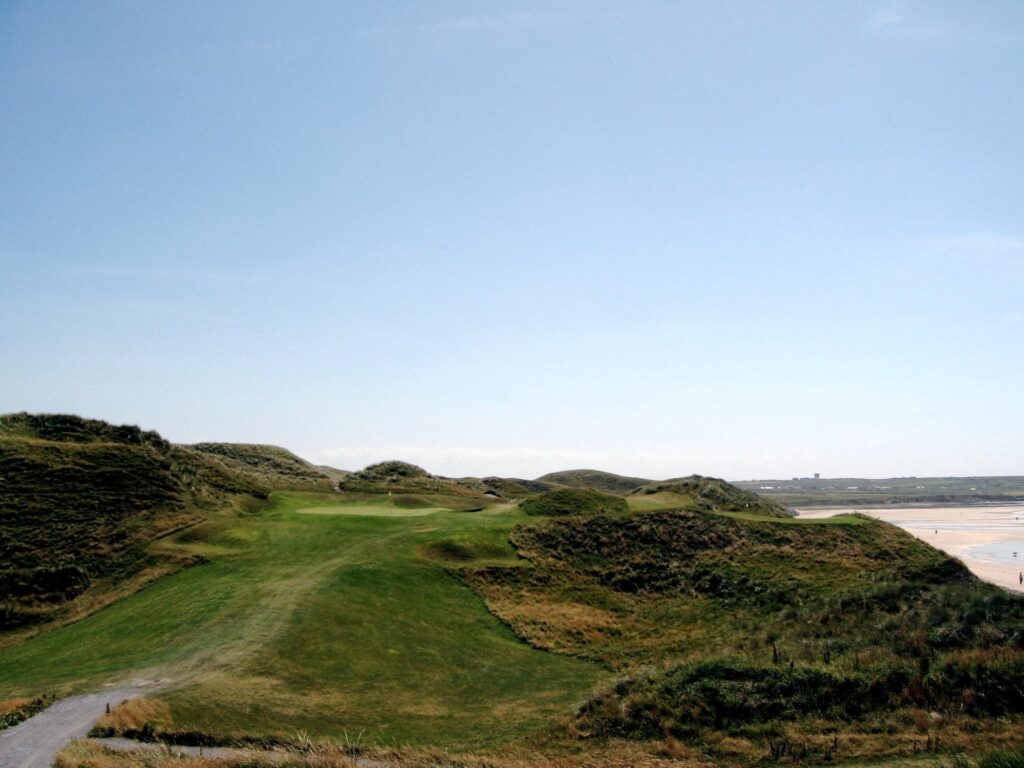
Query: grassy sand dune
715	628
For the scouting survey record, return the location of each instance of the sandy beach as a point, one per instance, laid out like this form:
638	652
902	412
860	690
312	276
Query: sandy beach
988	539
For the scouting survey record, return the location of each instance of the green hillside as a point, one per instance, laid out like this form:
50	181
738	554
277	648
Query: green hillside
277	467
84	501
688	617
80	501
594	479
402	477
753	624
505	487
574	501
708	494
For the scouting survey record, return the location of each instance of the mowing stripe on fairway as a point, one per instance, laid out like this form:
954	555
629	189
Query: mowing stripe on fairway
370	511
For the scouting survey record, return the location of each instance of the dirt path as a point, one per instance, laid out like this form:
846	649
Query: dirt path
35	742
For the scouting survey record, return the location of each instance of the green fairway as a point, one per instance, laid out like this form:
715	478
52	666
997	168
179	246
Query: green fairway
370	510
329	623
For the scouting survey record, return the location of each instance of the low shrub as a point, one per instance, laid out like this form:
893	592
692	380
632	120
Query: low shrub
725	693
14	711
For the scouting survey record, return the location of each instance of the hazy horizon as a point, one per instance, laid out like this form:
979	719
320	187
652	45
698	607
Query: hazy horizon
738	239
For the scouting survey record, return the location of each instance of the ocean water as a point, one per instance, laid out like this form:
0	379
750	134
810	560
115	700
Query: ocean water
1006	552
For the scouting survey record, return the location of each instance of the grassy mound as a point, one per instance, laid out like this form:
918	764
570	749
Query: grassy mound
711	495
574	501
505	487
392	471
402	477
465	549
65	428
760	619
595	480
277	467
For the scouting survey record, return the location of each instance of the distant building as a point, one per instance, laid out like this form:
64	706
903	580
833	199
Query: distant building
817	476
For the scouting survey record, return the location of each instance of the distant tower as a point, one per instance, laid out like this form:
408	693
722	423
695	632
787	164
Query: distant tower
817	476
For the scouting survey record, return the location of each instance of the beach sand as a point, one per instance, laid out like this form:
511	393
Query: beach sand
984	537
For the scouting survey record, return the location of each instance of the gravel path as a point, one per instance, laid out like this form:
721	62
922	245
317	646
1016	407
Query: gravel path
35	742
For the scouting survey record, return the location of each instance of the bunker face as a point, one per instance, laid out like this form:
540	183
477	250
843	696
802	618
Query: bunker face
371	511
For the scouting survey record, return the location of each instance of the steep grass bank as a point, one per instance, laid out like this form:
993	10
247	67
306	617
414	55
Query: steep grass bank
84	501
81	501
277	467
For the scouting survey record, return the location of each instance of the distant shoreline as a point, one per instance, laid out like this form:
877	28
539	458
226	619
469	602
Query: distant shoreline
887	505
969	532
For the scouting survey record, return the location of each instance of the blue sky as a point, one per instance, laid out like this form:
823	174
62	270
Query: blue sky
748	239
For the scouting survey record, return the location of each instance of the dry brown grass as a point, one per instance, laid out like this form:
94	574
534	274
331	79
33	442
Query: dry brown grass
87	754
926	735
609	755
546	623
12	705
133	715
907	734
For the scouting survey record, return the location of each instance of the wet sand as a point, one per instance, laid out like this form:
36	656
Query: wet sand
987	538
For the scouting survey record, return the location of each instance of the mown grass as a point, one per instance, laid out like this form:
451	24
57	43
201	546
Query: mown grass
327	623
